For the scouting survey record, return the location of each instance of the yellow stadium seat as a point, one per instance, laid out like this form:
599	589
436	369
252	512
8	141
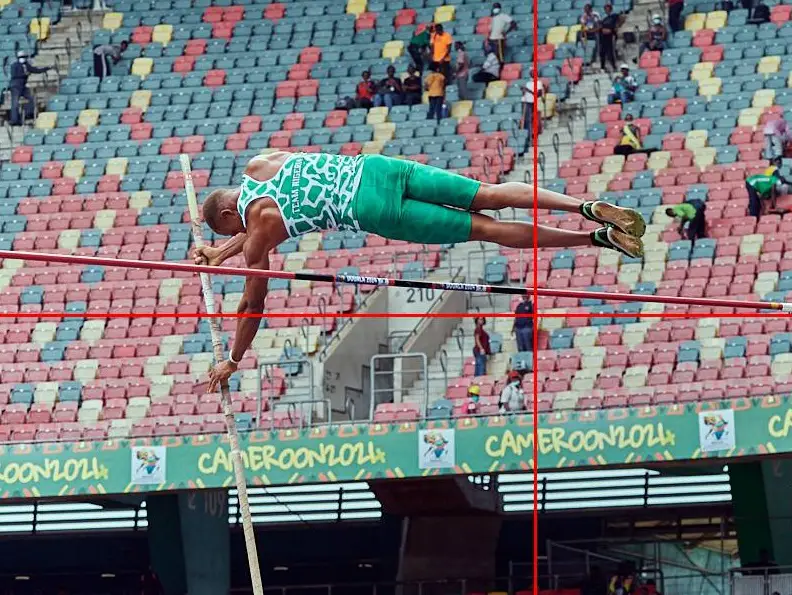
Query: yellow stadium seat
162	34
40	28
112	20
69	239
613	164
356	7
142	67
140	199
547	105
88	118
763	98
710	87
716	20
140	99
704	157
393	50
384	131
701	71
461	109
789	80
372	147
443	14
573	33
116	166
4	3
769	65
749	116
557	35
104	219
696	139
496	90
658	160
695	22
46	120
73	169
377	115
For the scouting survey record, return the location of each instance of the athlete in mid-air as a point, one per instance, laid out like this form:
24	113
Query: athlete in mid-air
285	195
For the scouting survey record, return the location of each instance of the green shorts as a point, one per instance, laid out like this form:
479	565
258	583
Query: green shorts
404	200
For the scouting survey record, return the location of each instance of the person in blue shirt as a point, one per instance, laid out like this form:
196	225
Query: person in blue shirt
523	324
20	70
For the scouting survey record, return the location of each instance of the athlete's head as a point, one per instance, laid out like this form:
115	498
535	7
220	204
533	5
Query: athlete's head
220	212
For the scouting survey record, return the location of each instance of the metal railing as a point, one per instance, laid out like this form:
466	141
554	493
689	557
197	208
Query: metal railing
393	375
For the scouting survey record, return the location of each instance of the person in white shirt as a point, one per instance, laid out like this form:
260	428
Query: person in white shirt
500	26
528	100
512	397
490	70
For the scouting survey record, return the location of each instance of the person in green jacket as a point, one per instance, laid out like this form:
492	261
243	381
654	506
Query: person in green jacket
419	45
764	187
690	214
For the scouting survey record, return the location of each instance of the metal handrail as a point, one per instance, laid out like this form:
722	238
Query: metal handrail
373	372
443	361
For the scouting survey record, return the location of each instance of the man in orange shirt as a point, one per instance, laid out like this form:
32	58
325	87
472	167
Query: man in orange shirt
441	50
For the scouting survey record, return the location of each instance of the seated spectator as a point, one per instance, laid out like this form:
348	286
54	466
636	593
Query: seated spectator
435	84
624	87
365	91
777	136
412	86
690	213
656	37
462	69
512	397
389	91
630	142
589	28
474	392
490	70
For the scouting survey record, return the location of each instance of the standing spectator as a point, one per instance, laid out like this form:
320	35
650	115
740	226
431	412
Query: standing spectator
764	189
419	45
473	395
481	349
389	92
365	91
523	324
104	54
490	70
462	69
624	86
529	99
441	50
500	26
512	397
413	87
589	23
435	84
675	8
777	135
623	582
690	213
609	29
20	70
656	37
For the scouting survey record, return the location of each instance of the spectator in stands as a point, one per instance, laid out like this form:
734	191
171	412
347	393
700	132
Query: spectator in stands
435	84
365	91
474	393
441	42
675	8
419	45
624	86
462	69
777	135
631	138
589	23
490	70
529	99
104	54
500	26
763	190
609	29
656	37
690	213
389	90
20	71
481	347
623	582
413	87
512	397
761	15
523	324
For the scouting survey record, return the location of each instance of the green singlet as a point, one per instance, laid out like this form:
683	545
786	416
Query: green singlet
393	198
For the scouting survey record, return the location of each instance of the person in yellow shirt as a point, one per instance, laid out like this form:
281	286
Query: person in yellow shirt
441	50
435	84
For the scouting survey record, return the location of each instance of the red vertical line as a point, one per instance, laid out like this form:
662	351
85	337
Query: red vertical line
534	132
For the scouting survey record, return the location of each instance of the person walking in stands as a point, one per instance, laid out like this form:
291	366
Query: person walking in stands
462	70
523	324
104	54
419	45
690	213
609	29
413	87
20	71
365	91
675	8
481	348
500	26
441	43
435	84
